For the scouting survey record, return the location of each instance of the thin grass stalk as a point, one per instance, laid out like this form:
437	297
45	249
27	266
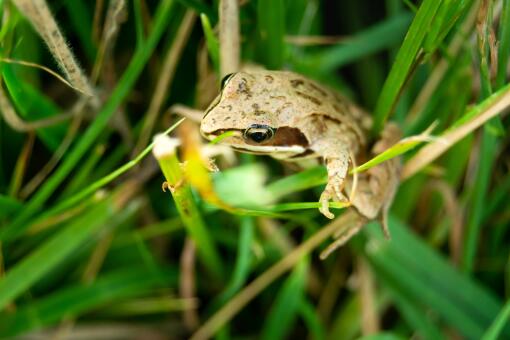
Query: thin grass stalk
165	153
229	310
229	37
39	14
496	104
96	128
165	80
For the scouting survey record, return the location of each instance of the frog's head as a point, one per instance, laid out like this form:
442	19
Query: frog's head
248	109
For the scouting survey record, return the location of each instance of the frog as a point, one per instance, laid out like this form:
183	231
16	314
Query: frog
292	118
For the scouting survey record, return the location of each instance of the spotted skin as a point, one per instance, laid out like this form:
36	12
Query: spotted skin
306	120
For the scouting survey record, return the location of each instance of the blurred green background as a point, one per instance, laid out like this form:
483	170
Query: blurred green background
91	247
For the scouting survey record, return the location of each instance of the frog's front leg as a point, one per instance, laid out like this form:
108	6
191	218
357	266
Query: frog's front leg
336	158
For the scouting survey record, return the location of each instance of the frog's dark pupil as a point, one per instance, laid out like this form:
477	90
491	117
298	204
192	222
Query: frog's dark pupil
259	133
258	136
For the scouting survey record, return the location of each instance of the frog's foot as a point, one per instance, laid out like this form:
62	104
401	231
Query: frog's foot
211	165
165	185
333	191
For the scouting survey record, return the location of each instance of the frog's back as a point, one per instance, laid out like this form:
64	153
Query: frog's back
322	100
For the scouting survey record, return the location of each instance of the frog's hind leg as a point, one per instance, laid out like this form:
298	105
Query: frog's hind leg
350	224
377	186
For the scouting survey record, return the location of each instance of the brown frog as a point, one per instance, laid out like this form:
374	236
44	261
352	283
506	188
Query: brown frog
290	117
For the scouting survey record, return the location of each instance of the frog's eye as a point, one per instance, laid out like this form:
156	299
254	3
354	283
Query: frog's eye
258	133
225	80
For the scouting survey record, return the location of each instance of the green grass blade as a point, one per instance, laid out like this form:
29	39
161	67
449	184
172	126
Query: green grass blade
306	205
271	28
285	308
404	62
297	182
312	321
213	46
33	105
187	207
243	260
371	40
414	269
125	84
8	205
495	330
140	36
82	298
47	256
473	231
92	188
396	150
413	314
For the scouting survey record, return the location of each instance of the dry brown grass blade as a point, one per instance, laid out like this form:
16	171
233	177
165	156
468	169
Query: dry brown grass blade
116	14
222	316
455	213
21	165
187	112
18	124
41	67
496	105
312	40
370	323
96	23
229	37
187	283
167	75
34	183
38	13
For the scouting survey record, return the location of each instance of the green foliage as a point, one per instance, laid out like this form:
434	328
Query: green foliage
98	242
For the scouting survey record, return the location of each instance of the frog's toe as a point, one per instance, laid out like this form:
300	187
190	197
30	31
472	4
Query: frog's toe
324	208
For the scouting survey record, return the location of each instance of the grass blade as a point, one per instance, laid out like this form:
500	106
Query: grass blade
285	308
271	28
94	130
52	252
82	298
404	62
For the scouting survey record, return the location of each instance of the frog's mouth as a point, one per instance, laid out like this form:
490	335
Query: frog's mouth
282	151
287	142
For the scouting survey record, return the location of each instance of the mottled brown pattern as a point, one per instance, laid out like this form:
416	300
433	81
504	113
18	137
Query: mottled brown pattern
308	120
308	97
243	87
278	97
338	109
318	89
318	122
296	82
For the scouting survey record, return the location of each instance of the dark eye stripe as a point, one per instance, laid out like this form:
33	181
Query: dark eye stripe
225	79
